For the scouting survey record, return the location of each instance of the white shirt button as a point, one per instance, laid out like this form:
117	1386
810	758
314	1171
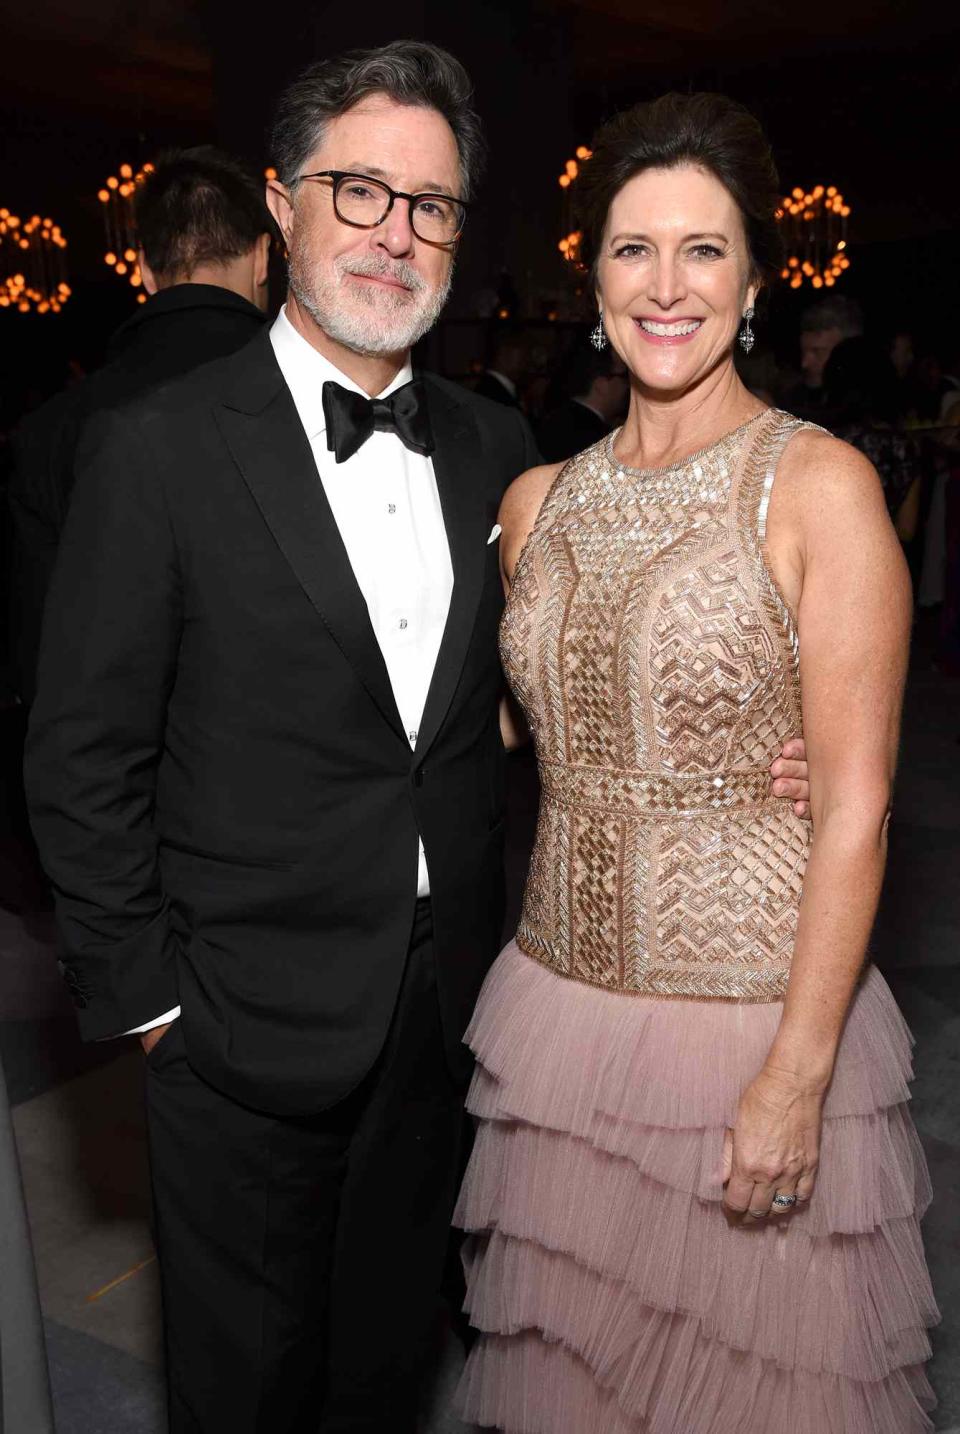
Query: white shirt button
403	624
391	507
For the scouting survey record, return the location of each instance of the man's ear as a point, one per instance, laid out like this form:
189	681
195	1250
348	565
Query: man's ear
261	261
147	274
280	204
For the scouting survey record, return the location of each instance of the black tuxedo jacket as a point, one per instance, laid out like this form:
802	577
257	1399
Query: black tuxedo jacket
175	331
220	783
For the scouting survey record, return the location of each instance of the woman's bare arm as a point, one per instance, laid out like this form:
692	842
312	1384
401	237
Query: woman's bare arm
836	556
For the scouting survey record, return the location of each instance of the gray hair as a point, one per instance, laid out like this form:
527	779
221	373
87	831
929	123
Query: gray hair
837	312
410	72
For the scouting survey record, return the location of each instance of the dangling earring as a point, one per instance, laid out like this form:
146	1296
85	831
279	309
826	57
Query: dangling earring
747	338
598	336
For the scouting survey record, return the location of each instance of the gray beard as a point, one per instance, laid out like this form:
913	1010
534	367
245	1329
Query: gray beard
392	323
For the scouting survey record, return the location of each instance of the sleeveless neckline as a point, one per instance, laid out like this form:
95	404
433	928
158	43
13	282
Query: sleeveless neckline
680	462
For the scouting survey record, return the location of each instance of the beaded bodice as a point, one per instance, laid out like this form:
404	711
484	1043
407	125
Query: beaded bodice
657	664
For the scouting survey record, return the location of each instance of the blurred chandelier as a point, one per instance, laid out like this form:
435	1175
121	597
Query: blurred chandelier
569	245
815	236
120	224
33	272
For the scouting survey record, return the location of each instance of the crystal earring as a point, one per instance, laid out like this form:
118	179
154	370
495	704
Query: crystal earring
598	336
747	338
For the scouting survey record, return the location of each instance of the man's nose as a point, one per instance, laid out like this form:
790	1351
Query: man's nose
395	232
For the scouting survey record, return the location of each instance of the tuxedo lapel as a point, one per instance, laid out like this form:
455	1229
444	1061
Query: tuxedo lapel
458	466
262	429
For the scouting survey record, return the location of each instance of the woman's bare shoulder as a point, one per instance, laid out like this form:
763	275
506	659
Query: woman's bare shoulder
524	498
819	474
518	512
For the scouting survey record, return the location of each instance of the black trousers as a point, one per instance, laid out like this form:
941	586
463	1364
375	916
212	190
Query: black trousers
301	1259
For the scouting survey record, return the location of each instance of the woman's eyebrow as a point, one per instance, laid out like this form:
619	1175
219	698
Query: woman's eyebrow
686	238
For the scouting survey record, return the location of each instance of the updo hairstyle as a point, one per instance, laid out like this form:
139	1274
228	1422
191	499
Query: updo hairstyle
708	130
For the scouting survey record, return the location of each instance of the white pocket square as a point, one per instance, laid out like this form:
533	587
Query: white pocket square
495	532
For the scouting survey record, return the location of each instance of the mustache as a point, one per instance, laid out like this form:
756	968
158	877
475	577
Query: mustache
378	266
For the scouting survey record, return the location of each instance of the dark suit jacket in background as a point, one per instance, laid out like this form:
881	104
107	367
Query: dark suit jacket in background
175	331
489	386
220	784
569	429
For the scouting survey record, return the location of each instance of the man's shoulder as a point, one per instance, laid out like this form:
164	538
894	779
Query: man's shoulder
37	425
491	416
43	441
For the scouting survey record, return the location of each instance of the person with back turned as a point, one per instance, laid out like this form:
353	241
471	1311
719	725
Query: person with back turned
204	233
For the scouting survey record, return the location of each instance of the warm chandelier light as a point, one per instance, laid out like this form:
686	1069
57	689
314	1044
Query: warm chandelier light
815	233
33	272
116	196
569	245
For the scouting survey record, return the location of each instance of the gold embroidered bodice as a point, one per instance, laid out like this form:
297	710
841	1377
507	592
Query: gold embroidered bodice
657	664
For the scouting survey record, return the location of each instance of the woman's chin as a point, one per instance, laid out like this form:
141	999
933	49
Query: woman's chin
670	374
665	385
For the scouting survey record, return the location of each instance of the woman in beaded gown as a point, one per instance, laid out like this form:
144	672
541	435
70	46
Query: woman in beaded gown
693	1204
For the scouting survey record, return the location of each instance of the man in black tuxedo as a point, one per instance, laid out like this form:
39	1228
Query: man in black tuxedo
204	234
266	774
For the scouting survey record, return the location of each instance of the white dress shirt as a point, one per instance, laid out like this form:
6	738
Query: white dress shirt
385	502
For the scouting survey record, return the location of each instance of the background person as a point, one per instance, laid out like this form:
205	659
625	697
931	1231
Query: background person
204	233
863	406
596	383
823	325
503	378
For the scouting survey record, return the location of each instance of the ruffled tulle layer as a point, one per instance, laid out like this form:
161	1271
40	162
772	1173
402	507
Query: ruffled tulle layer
529	1385
611	1291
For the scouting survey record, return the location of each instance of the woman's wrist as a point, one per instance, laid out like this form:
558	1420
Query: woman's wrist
805	1070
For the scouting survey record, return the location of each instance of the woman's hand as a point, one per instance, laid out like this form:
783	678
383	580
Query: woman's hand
774	1147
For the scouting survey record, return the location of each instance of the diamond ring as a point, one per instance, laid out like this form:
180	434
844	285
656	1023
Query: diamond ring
784	1202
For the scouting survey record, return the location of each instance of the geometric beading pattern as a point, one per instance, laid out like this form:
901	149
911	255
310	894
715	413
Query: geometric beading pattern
657	664
652	794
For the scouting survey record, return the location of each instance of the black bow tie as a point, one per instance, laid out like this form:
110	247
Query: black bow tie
351	418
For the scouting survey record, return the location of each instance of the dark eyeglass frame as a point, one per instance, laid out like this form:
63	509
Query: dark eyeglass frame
339	175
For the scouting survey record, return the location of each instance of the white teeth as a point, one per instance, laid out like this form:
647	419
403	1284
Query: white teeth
670	331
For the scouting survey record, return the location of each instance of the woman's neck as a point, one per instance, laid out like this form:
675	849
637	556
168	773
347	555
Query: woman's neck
661	428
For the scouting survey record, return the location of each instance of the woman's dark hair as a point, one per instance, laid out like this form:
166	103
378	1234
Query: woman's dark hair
408	71
198	206
710	131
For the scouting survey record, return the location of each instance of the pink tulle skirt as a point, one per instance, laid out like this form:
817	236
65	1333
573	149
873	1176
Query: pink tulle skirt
610	1292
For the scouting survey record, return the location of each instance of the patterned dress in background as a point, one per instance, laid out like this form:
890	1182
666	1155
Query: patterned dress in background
658	667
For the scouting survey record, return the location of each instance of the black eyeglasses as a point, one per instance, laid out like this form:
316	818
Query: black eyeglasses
365	203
